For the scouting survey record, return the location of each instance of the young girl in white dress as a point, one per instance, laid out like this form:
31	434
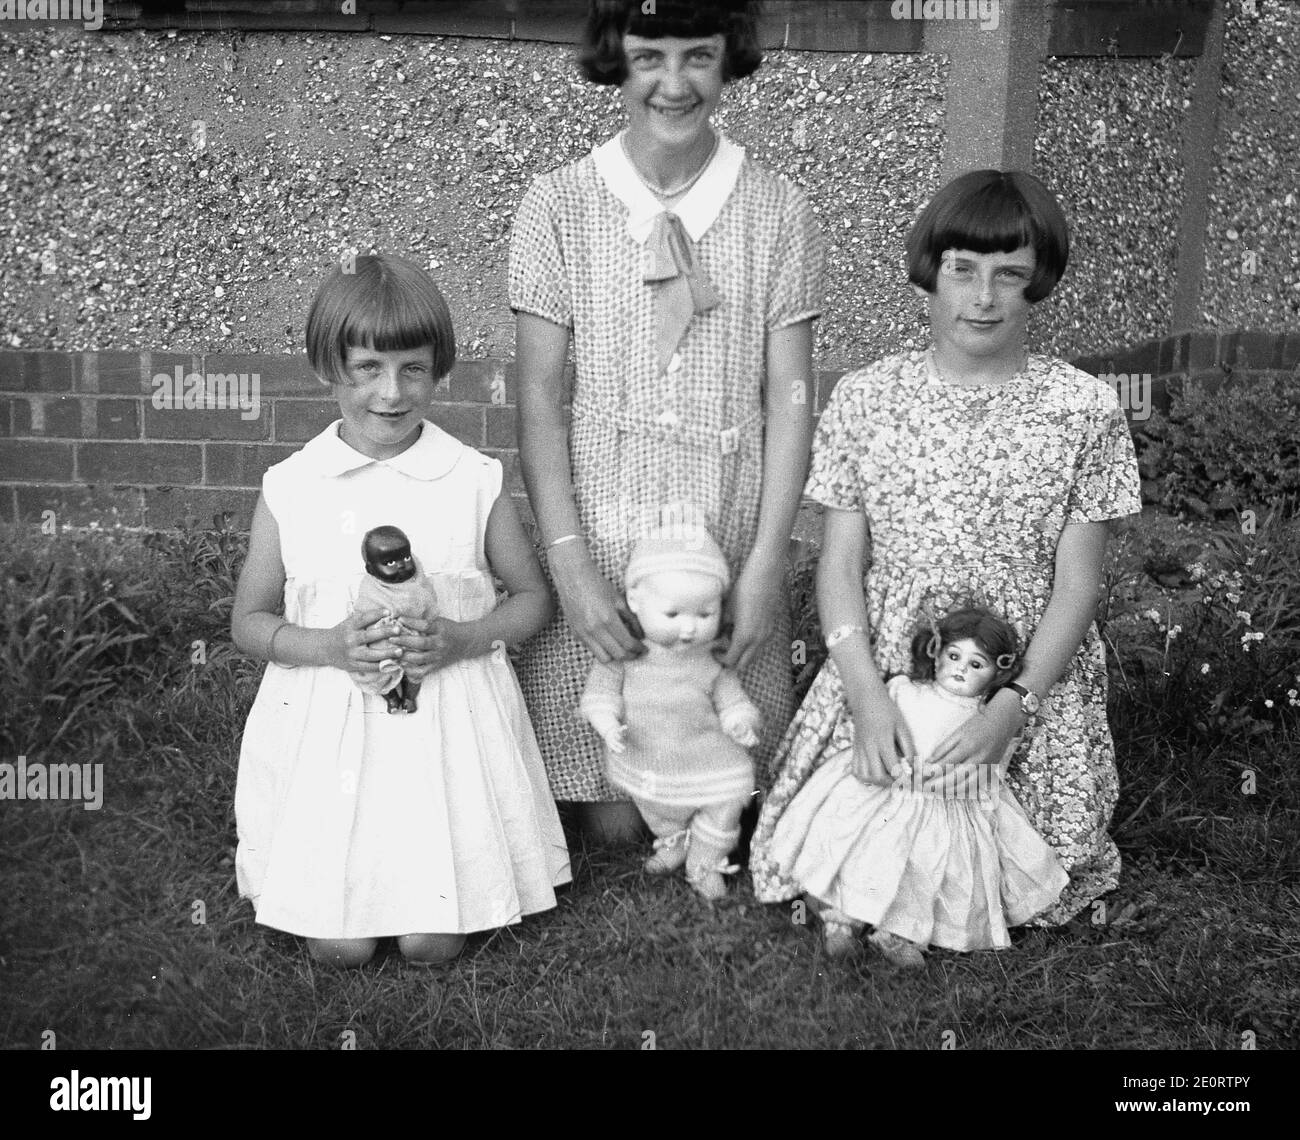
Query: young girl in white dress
954	866
353	824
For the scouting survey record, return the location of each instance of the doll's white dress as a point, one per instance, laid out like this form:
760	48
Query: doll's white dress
356	823
942	870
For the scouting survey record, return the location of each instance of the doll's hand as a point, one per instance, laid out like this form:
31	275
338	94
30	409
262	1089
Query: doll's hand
742	725
750	610
361	642
616	739
986	738
882	746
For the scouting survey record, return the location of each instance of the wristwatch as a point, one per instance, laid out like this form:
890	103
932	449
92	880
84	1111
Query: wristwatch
1029	700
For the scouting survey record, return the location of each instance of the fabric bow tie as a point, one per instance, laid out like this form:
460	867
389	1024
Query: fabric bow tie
684	288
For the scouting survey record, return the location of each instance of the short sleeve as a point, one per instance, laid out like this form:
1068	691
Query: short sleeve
539	278
795	292
1106	484
833	477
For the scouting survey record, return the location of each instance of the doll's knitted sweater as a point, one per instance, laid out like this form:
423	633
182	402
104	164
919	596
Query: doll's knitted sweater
677	753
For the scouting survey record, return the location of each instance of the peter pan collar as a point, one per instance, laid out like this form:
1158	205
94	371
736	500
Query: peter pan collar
698	209
430	457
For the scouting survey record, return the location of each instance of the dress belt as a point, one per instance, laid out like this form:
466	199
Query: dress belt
669	425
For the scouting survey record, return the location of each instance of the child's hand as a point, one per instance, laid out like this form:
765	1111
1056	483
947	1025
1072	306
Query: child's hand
616	739
882	746
433	644
984	739
361	642
742	725
758	595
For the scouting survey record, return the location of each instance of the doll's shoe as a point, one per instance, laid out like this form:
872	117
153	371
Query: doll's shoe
902	952
708	881
839	939
669	853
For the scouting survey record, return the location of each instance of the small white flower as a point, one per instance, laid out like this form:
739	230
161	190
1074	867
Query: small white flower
1292	694
1174	631
1196	571
1154	615
1268	704
1245	617
1232	598
1205	668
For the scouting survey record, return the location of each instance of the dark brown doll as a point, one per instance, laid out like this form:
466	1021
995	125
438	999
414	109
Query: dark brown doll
395	584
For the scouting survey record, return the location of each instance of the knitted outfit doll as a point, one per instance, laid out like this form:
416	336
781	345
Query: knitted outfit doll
395	584
676	724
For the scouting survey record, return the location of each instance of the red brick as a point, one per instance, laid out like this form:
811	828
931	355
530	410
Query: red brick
59	417
300	420
502	429
145	463
8	504
202	423
117	419
279	373
464	421
155	364
175	506
36	459
7	417
484	382
81	505
241	464
115	371
35	371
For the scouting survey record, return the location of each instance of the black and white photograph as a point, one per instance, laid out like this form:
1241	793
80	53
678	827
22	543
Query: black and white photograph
650	526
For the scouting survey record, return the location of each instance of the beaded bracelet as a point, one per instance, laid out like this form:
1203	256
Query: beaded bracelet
839	633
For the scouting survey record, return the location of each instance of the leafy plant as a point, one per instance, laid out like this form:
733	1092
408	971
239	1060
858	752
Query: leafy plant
1225	447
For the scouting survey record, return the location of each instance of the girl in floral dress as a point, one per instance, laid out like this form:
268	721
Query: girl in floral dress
979	474
687	278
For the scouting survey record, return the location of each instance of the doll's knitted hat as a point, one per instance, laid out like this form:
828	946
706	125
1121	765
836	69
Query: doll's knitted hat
677	547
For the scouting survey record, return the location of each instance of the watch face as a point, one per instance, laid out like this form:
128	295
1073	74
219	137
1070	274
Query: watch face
1029	702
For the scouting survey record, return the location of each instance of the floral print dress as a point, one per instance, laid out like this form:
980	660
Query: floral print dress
966	492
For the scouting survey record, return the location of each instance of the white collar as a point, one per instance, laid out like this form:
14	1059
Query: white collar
430	457
699	207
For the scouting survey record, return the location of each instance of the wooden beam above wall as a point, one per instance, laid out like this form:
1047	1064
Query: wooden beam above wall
1078	27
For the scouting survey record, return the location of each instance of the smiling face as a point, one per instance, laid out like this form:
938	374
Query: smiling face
385	398
963	669
678	608
978	310
672	88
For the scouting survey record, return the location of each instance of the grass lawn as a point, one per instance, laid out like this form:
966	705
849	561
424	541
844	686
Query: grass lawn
121	927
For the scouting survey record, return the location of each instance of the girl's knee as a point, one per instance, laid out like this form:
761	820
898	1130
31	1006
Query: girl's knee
430	949
347	953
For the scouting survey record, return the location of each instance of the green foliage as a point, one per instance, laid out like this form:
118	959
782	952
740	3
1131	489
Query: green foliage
88	617
1225	447
1203	633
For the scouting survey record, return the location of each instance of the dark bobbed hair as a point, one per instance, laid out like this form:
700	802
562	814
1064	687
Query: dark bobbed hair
600	52
387	304
383	540
991	211
995	637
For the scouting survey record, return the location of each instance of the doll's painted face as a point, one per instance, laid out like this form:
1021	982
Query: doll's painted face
964	669
388	558
678	608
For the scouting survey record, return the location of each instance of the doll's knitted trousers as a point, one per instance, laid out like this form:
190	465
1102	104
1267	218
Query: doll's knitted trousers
714	829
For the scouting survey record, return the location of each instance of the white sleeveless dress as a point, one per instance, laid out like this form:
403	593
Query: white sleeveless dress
356	823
